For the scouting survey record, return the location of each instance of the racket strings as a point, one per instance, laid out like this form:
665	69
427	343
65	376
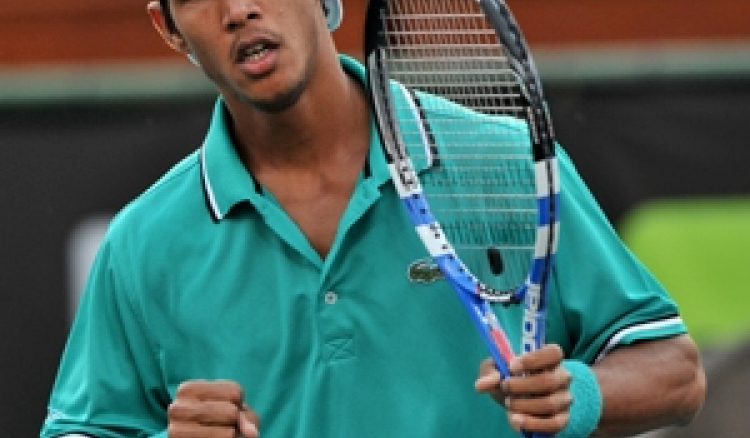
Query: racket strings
483	193
433	44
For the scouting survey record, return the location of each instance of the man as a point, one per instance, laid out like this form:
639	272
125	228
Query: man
244	294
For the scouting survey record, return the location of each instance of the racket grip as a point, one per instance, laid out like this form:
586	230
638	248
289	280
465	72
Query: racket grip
537	435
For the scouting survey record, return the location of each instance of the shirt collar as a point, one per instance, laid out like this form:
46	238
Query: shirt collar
226	181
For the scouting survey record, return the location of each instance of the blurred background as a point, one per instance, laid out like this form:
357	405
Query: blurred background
651	98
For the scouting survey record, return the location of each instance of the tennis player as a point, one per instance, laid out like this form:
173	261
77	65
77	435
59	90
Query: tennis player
270	285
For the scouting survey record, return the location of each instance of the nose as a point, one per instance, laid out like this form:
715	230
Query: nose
238	12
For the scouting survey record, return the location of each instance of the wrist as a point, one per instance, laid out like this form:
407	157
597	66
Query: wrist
586	409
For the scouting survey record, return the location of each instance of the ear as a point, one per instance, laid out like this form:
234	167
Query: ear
334	12
169	35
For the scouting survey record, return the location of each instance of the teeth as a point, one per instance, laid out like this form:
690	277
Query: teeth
255	51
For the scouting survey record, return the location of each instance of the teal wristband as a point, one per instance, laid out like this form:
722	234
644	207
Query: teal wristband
586	409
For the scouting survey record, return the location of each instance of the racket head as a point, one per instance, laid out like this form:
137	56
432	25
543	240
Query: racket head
455	91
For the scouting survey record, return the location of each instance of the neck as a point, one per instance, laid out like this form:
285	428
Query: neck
330	119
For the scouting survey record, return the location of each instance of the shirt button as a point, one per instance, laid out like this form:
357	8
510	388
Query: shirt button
331	297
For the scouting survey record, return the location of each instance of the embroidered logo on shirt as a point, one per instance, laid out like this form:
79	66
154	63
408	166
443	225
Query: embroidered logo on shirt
424	271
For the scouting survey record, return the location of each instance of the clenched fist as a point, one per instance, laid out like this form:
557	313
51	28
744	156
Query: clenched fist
211	409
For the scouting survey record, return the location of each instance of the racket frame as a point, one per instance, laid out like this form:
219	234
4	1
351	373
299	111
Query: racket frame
477	297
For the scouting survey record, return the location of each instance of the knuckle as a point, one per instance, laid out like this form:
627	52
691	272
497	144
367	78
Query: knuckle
558	379
190	386
566	402
229	410
557	404
231	390
177	409
560	421
565	375
184	387
555	350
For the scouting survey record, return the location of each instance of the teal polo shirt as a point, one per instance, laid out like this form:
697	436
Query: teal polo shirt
204	276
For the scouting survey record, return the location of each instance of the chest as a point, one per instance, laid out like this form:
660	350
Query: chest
261	301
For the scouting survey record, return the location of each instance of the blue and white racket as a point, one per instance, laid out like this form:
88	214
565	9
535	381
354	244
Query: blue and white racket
456	78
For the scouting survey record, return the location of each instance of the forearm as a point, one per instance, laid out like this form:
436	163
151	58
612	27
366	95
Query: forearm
650	385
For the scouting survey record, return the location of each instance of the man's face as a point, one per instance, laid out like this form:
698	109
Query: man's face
261	52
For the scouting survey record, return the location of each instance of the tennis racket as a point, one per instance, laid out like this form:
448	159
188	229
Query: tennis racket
469	143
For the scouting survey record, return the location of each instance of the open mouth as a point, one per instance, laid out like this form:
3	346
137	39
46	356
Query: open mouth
255	51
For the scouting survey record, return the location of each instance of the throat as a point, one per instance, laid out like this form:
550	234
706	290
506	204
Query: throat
316	211
319	221
311	162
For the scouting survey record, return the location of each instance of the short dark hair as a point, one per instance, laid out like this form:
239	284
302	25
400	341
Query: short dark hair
168	15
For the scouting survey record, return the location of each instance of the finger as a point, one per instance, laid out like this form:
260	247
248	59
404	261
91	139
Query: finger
205	412
194	430
248	412
492	380
547	357
211	390
545	406
538	384
487	366
248	424
546	425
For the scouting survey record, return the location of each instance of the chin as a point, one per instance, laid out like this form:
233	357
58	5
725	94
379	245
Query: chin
278	102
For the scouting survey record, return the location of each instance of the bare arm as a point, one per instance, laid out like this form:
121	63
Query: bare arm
644	386
650	384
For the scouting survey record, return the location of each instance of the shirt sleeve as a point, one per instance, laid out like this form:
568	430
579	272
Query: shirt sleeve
108	380
601	296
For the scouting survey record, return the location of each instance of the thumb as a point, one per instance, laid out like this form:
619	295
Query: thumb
248	423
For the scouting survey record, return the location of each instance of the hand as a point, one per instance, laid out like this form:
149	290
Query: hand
211	409
536	395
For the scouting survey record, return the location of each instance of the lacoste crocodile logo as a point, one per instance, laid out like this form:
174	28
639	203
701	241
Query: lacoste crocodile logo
424	271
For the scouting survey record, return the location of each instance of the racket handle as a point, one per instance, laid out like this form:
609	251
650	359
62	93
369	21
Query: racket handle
537	435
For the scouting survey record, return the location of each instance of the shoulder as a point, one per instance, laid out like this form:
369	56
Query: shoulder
174	198
437	108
